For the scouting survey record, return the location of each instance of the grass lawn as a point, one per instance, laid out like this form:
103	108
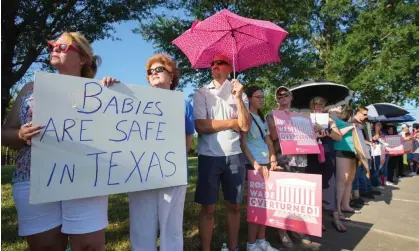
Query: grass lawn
117	233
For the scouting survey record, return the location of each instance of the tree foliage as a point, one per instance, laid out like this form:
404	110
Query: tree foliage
27	25
371	46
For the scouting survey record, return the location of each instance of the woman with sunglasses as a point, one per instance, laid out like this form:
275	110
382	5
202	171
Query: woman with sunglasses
50	226
327	169
162	208
290	163
258	148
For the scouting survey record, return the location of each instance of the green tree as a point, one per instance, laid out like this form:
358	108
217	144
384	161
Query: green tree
299	57
379	56
371	46
27	24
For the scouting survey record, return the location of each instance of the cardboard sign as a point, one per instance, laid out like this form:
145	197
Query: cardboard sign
395	145
361	149
295	133
320	119
290	201
100	141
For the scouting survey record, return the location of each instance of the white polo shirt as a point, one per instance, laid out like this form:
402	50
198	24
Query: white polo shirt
215	103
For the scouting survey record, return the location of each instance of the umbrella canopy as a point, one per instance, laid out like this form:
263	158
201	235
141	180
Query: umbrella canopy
248	42
334	94
385	110
401	119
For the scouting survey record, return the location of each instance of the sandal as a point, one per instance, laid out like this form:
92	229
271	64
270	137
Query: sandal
351	212
338	226
342	217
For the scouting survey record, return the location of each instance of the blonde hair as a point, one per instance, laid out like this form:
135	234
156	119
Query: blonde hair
317	100
89	68
169	64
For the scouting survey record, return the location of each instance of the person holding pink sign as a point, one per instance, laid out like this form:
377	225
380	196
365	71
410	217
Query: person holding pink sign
291	162
259	151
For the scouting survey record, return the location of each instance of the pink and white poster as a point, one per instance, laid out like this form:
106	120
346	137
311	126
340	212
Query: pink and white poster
290	201
295	133
395	144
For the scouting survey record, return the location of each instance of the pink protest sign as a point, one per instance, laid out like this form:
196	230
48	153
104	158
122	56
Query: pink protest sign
290	201
295	133
395	145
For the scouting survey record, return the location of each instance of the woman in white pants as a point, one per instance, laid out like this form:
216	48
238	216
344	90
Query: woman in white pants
162	208
50	226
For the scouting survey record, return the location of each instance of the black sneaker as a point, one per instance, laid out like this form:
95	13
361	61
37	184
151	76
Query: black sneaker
367	195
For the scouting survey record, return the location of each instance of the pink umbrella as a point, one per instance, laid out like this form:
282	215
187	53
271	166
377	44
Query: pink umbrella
249	42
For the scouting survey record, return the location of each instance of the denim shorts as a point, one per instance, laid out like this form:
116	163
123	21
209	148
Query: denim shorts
229	171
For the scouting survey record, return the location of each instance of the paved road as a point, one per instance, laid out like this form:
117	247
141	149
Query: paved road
390	222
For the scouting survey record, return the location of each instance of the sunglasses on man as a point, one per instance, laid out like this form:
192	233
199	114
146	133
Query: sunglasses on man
62	47
219	62
158	69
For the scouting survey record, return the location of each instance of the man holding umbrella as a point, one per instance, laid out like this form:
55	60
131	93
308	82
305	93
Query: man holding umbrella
220	112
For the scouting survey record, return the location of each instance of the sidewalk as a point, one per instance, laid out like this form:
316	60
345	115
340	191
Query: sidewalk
390	222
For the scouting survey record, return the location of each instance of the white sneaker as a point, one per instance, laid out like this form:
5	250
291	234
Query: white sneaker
412	174
266	246
253	248
388	183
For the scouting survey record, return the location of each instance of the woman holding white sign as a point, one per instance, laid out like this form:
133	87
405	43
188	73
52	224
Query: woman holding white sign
258	148
327	167
49	226
162	208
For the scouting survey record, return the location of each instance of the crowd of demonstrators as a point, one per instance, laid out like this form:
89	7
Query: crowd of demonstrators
233	137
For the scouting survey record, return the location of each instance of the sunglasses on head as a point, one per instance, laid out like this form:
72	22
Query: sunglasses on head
62	47
158	69
219	62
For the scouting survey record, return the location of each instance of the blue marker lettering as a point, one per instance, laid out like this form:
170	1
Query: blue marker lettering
97	163
82	129
67	127
91	96
147	128
125	103
111	104
138	108
117	128
52	173
158	108
131	130
158	131
174	165
110	167
147	107
50	121
68	172
150	165
136	167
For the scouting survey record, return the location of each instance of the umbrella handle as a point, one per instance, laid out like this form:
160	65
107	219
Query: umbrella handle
234	48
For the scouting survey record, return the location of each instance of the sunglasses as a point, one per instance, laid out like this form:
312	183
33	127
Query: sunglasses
158	69
62	47
283	95
365	114
219	62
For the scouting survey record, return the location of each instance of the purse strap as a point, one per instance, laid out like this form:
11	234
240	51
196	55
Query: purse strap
260	129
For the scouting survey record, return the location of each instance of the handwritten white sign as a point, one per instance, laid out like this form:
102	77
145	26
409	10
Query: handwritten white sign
100	141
